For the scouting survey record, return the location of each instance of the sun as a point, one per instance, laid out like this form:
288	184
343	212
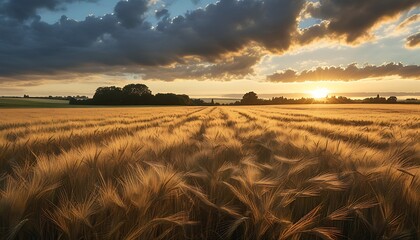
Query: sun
320	93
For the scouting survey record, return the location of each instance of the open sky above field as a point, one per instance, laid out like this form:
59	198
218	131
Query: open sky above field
208	47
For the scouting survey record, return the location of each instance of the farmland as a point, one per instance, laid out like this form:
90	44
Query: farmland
32	103
283	172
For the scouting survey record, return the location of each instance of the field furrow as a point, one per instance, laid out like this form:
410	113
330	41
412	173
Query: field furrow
211	173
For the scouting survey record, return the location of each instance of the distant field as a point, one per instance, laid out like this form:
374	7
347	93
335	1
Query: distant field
278	172
221	100
32	103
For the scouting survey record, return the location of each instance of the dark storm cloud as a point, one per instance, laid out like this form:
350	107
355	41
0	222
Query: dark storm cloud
315	32
213	36
227	69
350	73
44	48
413	41
24	9
237	66
353	19
124	39
131	12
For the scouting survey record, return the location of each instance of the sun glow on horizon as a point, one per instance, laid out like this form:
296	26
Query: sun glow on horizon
320	93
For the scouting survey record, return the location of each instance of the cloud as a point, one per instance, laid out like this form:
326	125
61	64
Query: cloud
125	39
313	33
233	67
204	43
349	73
24	9
11	89
410	20
413	41
131	12
240	65
354	19
162	13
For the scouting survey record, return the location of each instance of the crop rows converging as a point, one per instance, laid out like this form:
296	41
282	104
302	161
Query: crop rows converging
261	172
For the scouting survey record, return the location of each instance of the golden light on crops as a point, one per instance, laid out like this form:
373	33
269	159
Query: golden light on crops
163	172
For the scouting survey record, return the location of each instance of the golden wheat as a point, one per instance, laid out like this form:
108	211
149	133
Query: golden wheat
281	172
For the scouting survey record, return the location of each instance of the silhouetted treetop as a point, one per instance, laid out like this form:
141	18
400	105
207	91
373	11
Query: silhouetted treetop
250	98
108	95
135	94
172	99
137	89
392	99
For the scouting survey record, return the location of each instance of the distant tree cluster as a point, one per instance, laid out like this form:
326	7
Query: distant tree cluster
140	94
251	98
135	94
379	99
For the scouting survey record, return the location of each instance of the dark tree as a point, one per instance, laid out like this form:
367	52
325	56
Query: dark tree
172	99
137	94
136	90
73	101
250	98
198	102
377	99
108	96
392	99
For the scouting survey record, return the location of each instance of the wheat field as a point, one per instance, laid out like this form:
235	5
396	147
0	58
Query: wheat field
282	172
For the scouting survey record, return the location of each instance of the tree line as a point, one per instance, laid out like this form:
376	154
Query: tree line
135	94
140	94
251	98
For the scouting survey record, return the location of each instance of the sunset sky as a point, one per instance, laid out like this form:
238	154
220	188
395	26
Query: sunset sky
210	48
